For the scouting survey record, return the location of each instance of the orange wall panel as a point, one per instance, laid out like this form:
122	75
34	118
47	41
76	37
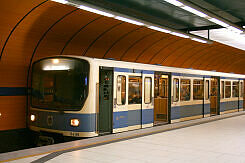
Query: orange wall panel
13	112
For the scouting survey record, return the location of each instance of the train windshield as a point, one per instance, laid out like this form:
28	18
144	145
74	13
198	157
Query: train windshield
60	84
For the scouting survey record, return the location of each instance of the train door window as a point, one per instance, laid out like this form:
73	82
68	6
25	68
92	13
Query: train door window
176	90
235	89
227	89
161	86
241	89
198	89
185	89
207	90
135	90
222	88
148	90
161	98
121	90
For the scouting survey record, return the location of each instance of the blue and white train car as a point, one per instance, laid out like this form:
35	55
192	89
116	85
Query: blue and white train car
86	97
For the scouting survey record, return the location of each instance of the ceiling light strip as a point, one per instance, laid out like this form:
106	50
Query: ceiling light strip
159	29
175	3
180	34
61	1
209	16
219	22
128	20
95	11
194	11
136	22
199	40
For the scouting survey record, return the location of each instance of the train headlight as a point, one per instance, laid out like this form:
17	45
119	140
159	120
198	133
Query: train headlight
33	117
75	122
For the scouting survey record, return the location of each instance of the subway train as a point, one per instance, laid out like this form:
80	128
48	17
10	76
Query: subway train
85	97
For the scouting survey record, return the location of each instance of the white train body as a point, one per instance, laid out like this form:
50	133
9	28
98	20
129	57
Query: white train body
123	96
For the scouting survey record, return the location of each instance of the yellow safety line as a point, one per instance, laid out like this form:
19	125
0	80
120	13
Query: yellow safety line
101	142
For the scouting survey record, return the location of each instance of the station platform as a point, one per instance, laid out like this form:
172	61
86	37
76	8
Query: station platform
212	139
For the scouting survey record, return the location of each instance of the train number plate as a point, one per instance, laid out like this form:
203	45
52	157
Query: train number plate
76	134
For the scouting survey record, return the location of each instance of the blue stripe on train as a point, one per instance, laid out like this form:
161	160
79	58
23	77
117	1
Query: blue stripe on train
193	110
178	112
116	69
120	119
231	78
148	72
88	121
206	108
132	117
229	105
190	75
61	121
147	116
240	104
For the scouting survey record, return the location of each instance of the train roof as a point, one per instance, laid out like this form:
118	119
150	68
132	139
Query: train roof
151	67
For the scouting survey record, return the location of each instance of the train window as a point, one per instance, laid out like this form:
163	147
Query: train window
227	89
198	89
176	90
222	88
207	90
135	90
185	87
121	90
60	84
235	89
241	89
161	86
148	90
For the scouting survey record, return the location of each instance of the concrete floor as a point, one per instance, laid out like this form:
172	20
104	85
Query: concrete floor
219	141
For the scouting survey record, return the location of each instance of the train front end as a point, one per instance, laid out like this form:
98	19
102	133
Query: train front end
59	98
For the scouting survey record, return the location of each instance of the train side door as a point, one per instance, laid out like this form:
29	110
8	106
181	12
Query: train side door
214	96
105	100
161	98
147	98
207	97
120	102
134	101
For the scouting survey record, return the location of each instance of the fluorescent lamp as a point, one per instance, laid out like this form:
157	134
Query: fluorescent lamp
61	1
129	20
194	11
216	21
52	67
159	29
174	2
199	40
234	29
95	11
55	61
180	35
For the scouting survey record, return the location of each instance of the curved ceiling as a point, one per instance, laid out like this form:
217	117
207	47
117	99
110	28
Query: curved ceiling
32	30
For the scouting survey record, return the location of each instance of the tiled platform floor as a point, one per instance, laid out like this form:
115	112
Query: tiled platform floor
219	141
